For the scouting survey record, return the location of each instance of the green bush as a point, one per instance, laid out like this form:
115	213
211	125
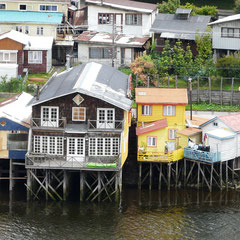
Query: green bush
13	85
204	10
229	66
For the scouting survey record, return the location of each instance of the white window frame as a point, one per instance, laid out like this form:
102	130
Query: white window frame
146	110
8	53
50	122
172	133
5	6
169	110
40	30
110	146
42	145
20	5
151	141
19	28
35	57
46	6
75	147
105	123
79	120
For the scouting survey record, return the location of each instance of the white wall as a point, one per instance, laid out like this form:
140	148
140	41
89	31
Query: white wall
49	60
227	43
147	20
11	70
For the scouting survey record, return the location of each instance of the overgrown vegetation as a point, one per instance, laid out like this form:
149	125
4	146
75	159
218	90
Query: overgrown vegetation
214	107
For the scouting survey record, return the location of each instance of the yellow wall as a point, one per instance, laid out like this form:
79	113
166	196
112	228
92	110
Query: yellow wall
183	140
34	6
157	114
124	149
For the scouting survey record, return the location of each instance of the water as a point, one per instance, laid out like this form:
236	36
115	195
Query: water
182	214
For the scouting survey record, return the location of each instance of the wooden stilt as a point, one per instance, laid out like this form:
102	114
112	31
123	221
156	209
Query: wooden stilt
117	186
99	186
176	175
82	179
140	176
211	177
46	183
220	175
120	183
227	175
203	168
233	163
10	175
169	175
198	175
160	177
185	172
65	185
29	185
150	176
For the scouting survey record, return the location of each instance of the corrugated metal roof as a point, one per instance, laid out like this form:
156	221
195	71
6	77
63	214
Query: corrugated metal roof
187	29
189	131
160	124
30	42
226	19
220	133
120	39
93	79
7	16
161	95
232	120
126	4
17	109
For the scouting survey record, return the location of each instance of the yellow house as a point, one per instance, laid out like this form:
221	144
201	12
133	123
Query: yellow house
160	114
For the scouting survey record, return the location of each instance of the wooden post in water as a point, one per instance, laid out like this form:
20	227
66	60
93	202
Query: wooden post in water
10	174
160	177
120	183
176	175
99	185
185	172
198	176
220	175
150	177
140	176
227	175
169	175
65	184
82	179
211	177
29	185
46	183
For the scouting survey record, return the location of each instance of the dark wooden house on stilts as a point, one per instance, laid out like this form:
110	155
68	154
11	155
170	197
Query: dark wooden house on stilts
80	124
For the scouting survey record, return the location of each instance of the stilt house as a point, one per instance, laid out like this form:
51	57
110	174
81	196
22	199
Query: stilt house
80	123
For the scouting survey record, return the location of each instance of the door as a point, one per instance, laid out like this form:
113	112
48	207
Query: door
122	56
49	116
75	149
106	118
118	22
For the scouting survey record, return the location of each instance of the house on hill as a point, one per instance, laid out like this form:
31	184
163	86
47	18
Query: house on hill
80	124
179	26
20	52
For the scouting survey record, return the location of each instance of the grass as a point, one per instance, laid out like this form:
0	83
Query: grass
214	107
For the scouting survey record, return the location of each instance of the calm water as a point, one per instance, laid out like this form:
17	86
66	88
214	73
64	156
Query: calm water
170	215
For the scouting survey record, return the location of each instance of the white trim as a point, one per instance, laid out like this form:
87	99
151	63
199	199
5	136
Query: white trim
170	110
172	133
150	141
79	120
75	149
105	123
50	122
146	110
33	59
5	6
43	4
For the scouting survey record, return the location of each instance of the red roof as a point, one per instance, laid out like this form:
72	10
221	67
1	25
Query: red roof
232	120
152	127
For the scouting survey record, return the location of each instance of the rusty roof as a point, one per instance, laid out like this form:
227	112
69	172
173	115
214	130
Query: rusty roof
232	120
126	4
197	121
151	127
189	131
92	37
161	96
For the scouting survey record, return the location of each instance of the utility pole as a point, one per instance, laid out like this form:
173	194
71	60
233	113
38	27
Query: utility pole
113	40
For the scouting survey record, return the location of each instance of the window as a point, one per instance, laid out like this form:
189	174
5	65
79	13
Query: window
49	116
105	18
8	57
215	124
39	30
99	53
2	6
35	57
151	141
103	146
78	113
146	110
169	110
76	146
230	32
19	28
48	145
26	29
48	8
133	19
172	133
22	7
105	118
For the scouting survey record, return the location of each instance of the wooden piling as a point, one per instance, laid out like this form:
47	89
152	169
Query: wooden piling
169	176
185	172
65	185
99	186
82	179
150	176
10	175
160	177
140	176
198	175
227	175
220	175
29	185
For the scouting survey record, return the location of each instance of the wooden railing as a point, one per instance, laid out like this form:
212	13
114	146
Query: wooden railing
148	156
96	125
202	155
47	123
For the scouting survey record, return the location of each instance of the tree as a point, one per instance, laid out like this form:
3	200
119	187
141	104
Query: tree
179	59
189	61
237	6
168	7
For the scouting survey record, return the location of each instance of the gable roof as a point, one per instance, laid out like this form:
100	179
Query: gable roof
189	131
232	120
119	39
226	19
93	79
8	16
30	42
161	96
16	109
172	27
126	4
160	124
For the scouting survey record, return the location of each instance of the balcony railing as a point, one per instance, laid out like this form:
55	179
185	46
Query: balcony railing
147	156
202	155
96	125
47	123
61	161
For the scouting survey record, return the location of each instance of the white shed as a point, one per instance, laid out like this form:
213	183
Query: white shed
224	142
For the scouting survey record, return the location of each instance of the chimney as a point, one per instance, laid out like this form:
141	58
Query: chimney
38	92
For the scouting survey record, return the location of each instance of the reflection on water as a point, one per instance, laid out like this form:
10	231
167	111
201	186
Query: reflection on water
181	214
